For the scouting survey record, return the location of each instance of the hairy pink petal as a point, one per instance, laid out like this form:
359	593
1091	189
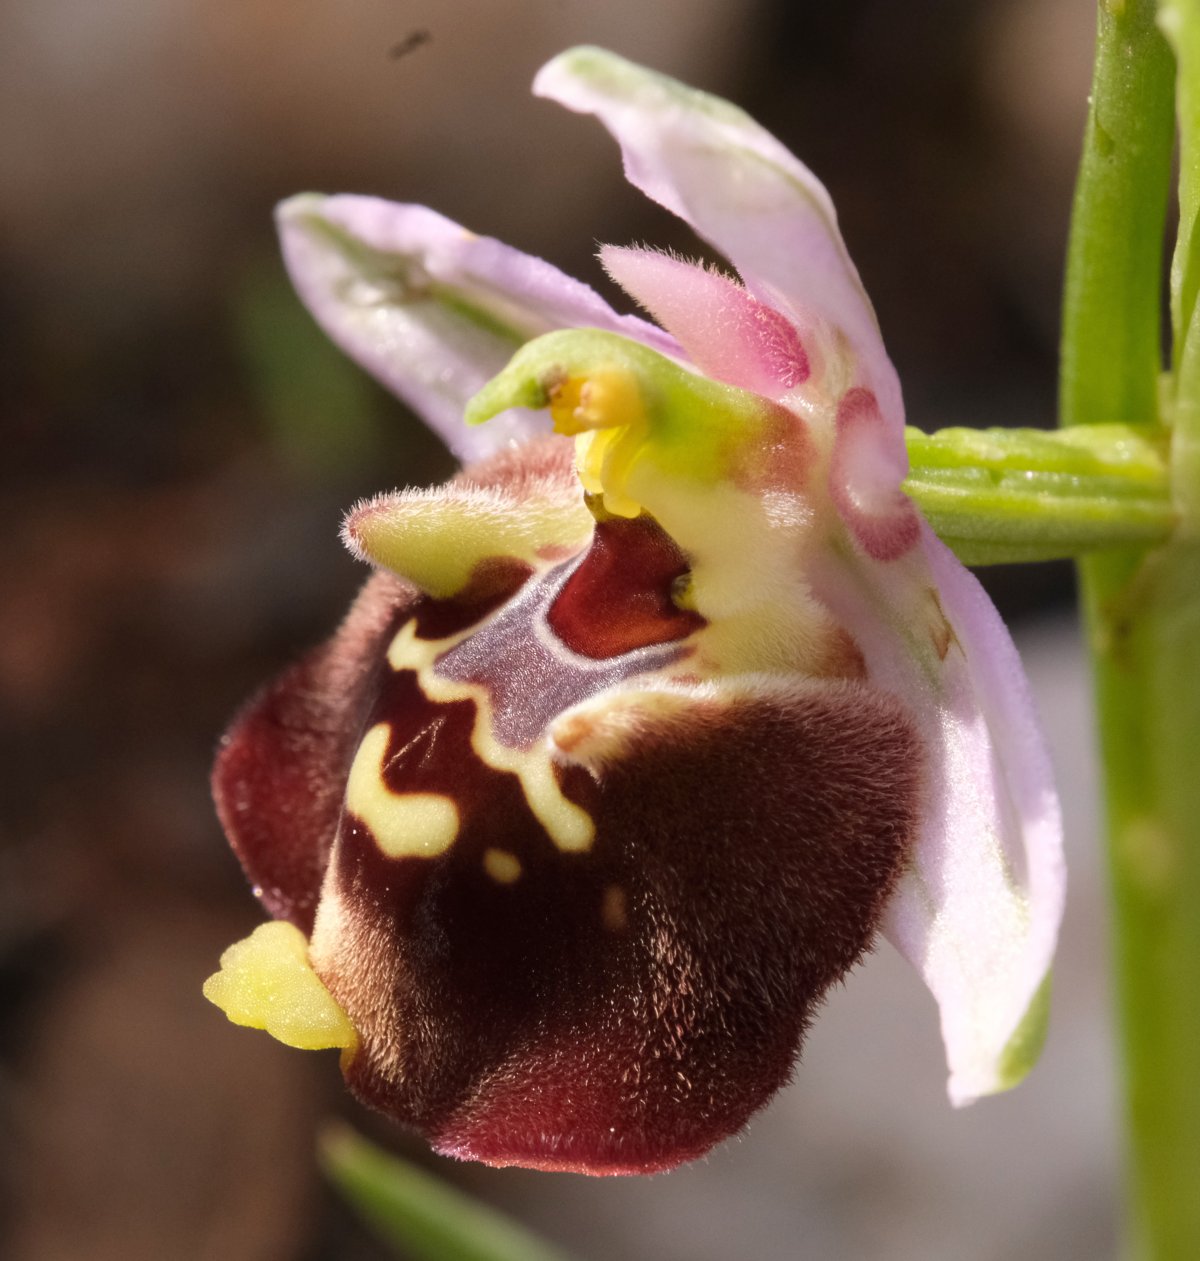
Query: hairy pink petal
432	310
727	332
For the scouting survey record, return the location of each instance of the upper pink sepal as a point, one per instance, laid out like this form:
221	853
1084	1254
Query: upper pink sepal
743	192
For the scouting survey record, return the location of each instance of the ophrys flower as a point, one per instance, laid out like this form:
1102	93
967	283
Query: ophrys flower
644	726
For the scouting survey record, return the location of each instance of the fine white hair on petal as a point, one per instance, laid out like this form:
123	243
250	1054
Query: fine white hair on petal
725	330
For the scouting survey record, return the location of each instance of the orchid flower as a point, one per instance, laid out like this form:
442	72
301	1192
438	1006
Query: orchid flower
652	718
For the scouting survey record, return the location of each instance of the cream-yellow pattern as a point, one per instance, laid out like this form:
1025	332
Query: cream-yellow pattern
503	867
569	826
404	825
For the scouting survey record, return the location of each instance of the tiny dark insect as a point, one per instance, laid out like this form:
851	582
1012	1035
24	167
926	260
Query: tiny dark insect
410	43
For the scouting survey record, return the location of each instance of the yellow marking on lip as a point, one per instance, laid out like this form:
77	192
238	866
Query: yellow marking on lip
404	825
569	826
267	982
503	867
408	652
614	909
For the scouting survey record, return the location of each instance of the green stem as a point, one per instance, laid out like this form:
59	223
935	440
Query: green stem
1181	19
422	1215
1004	495
1142	615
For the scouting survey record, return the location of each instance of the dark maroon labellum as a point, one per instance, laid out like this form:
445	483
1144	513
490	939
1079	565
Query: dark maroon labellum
615	1005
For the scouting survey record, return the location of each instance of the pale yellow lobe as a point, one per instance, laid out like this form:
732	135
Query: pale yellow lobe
569	826
600	732
437	539
404	825
503	867
267	982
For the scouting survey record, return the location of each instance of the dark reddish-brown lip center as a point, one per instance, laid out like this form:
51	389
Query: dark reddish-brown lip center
621	595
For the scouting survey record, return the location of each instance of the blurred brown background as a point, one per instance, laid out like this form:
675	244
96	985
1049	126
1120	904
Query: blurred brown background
178	444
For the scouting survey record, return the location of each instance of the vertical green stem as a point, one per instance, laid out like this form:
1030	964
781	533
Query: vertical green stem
1144	632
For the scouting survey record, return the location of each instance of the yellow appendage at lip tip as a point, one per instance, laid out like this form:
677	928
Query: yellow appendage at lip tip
266	982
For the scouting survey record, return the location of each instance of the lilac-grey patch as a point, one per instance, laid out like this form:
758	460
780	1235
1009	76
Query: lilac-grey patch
530	675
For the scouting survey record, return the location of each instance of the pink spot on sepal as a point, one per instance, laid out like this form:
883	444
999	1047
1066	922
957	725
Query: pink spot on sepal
865	476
